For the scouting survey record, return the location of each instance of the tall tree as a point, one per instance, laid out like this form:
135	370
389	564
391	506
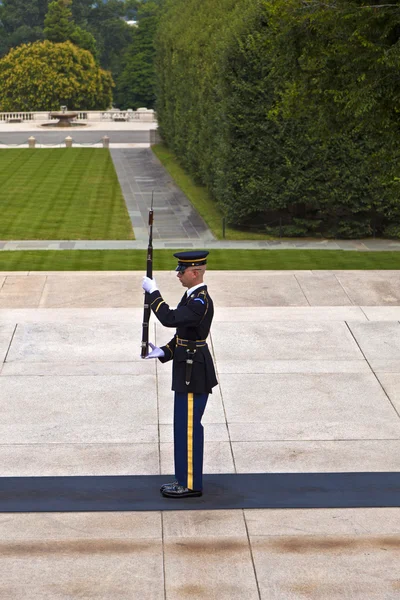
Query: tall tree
45	75
59	27
22	21
111	31
287	110
58	24
136	83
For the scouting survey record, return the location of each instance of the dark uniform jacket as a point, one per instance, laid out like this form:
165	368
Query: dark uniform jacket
192	319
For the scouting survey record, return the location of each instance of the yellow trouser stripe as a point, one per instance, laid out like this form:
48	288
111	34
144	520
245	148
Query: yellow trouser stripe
190	442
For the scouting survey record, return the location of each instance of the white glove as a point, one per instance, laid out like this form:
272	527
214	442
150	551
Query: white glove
149	285
155	352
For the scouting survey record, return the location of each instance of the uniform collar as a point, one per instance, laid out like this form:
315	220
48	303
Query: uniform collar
192	289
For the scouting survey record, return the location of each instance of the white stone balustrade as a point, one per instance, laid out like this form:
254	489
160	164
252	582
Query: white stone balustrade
141	114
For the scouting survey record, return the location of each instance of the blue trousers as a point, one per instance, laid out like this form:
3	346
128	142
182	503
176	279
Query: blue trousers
189	439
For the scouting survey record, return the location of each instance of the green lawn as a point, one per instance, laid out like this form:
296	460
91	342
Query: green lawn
135	260
200	198
61	194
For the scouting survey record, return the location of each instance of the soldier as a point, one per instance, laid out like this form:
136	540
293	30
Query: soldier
193	374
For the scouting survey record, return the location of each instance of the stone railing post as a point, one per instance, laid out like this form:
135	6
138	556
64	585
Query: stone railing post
32	142
106	141
68	141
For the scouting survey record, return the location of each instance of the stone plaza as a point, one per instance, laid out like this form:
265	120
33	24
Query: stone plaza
308	365
309	371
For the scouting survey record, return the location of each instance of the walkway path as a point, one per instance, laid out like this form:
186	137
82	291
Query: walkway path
140	175
137	210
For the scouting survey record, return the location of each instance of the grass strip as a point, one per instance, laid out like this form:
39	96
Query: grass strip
61	194
200	198
135	260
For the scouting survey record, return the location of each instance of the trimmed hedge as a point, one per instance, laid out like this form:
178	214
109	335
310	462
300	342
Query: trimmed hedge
258	101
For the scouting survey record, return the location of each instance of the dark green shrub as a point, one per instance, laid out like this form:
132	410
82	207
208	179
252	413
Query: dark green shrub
271	105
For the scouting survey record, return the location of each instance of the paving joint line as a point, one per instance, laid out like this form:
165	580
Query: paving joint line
223	407
251	554
9	345
346	294
374	373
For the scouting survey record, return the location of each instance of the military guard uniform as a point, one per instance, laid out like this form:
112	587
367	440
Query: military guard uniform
193	376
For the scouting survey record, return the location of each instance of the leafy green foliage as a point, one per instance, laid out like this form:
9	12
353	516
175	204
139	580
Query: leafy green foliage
286	109
97	26
136	82
59	27
22	21
113	35
45	75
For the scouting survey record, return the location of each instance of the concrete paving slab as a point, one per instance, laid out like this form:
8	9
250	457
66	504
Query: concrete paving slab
209	568
327	568
217	458
391	385
87	409
104	290
58	459
238	289
317	456
293	366
60	368
324	521
382	313
221	314
22	291
385	366
260	314
377	340
371	288
273	292
6	334
322	288
308	429
284	340
82	316
69	526
307	405
63	569
70	292
76	342
207	523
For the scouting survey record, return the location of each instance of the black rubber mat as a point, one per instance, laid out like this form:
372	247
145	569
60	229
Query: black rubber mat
228	491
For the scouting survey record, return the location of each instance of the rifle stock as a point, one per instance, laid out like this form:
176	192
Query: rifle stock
149	273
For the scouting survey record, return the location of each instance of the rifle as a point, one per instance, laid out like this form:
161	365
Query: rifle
149	273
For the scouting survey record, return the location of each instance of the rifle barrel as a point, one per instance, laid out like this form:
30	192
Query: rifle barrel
149	273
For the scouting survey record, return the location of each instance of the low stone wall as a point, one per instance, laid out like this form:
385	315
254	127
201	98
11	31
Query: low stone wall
142	114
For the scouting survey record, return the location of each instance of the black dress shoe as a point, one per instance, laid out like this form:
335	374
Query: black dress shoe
178	491
168	485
